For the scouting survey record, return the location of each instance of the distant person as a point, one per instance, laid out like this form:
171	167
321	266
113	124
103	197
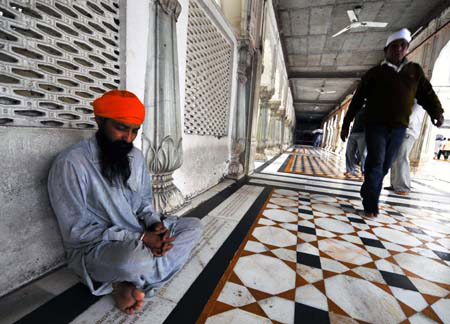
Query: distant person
101	193
400	170
318	133
356	147
437	145
445	149
389	90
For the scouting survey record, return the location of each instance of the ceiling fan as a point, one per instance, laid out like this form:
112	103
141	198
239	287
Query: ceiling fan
319	90
355	23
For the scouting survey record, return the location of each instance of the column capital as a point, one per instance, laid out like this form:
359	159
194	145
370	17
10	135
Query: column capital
266	92
170	7
274	105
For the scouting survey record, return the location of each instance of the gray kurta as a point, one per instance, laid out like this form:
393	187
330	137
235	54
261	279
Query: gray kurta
100	223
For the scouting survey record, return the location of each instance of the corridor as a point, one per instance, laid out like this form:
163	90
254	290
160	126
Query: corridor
286	245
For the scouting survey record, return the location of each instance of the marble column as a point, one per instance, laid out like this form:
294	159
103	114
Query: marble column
161	132
238	136
264	95
273	106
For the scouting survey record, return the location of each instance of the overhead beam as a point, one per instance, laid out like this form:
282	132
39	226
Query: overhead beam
316	103
326	75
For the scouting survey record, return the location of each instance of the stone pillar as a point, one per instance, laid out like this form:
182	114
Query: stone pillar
273	106
281	118
238	136
264	95
162	127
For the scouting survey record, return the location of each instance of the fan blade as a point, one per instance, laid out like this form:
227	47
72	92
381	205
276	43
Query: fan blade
342	30
327	92
352	16
373	24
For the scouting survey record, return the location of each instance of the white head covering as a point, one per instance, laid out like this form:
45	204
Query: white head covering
401	34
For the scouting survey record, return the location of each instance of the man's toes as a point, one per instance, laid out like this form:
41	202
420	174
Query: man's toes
138	294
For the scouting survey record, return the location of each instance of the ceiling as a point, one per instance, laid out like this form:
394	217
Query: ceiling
323	70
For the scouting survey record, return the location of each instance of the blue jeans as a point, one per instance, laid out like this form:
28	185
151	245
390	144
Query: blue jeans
383	144
356	142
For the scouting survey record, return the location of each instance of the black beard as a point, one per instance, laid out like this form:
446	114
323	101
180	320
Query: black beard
113	156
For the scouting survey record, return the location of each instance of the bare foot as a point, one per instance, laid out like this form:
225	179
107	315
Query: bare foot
128	298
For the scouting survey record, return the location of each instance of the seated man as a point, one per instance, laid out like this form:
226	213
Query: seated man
101	194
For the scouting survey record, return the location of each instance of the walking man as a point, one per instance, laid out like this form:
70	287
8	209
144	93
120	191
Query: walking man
400	171
356	145
389	90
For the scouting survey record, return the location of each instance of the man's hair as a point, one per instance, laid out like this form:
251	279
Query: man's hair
113	156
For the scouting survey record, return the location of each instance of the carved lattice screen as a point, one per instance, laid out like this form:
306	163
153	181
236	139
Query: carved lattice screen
208	75
56	56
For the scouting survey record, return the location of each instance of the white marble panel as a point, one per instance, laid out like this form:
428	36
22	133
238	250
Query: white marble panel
388	266
445	242
344	251
327	209
288	226
305	216
311	296
279	309
367	235
393	246
237	316
373	223
285	254
436	247
265	273
396	236
434	234
334	225
280	215
363	227
352	239
369	274
265	221
235	295
442	309
332	265
238	203
397	227
324	198
307	237
292	193
308	273
285	202
256	247
320	232
341	218
424	267
319	214
275	236
307	248
420	318
382	253
385	219
306	223
363	300
426	253
411	298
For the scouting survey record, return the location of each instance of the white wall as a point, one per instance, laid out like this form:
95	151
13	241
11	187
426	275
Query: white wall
204	157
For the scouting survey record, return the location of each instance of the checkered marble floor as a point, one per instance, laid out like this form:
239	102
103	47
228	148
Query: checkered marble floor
311	258
314	161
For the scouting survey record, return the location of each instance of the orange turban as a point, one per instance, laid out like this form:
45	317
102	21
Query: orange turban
120	105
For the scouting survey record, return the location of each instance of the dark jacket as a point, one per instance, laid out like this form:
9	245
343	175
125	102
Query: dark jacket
390	96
